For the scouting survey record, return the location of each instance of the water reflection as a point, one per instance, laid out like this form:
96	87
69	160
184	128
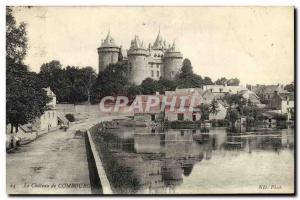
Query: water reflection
142	160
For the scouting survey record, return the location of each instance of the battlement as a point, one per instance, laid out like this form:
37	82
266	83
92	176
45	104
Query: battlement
142	52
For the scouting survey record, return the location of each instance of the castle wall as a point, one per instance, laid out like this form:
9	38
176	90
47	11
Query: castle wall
138	66
172	66
107	56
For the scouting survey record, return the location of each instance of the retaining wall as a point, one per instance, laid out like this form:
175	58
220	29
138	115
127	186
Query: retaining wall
98	178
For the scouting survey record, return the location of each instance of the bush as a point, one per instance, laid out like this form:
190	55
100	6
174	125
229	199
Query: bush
70	117
183	124
219	123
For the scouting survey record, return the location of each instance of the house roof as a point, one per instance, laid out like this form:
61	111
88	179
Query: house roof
268	89
195	100
208	96
288	95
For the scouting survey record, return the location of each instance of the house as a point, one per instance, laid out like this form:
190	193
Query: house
150	114
183	109
185	91
266	92
49	118
208	96
252	97
284	102
224	88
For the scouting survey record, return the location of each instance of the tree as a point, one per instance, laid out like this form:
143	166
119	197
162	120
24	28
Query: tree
149	86
87	78
207	81
16	40
214	107
71	84
232	115
204	111
53	76
221	81
187	66
290	87
233	82
186	78
25	98
110	82
132	91
166	85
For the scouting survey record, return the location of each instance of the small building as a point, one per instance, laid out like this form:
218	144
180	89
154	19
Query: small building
153	114
183	111
283	102
266	92
208	96
49	118
185	91
224	88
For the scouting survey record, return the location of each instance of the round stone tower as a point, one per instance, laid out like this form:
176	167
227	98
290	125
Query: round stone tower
172	62
137	61
108	52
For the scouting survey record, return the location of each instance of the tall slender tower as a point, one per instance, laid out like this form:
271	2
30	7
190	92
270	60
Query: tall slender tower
137	61
108	52
172	62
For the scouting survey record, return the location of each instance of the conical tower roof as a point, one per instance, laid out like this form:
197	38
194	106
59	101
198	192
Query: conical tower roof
108	41
173	48
136	43
159	42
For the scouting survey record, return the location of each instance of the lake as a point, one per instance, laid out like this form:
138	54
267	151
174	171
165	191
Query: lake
149	161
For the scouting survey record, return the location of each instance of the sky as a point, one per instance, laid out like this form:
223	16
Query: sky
254	44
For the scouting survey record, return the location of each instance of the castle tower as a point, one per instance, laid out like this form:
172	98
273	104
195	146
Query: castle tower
108	52
137	61
172	61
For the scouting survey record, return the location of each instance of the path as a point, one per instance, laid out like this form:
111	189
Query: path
55	159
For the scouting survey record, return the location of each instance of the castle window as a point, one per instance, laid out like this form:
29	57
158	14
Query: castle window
152	73
157	65
157	73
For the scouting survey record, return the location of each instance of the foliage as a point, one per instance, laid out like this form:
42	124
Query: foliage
25	98
219	122
70	117
290	87
214	107
70	84
133	90
233	82
229	82
16	40
112	81
221	81
207	81
204	111
166	85
183	124
232	115
186	78
149	86
235	100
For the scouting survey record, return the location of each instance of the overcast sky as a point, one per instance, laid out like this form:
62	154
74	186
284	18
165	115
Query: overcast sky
254	44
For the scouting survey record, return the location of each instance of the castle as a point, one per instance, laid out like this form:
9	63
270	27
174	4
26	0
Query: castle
155	61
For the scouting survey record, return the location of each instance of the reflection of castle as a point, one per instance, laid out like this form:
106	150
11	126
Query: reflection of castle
155	61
